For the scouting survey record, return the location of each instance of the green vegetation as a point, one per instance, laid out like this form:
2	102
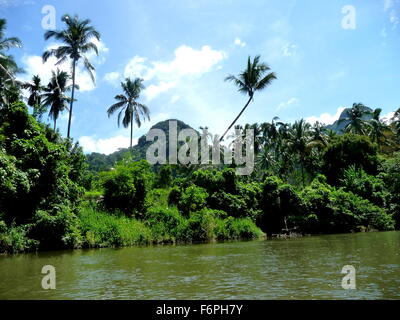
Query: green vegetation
307	180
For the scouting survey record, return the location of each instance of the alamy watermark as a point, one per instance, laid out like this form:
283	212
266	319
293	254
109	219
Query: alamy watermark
49	280
183	148
349	280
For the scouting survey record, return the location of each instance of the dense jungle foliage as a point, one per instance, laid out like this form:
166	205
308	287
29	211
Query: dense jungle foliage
308	179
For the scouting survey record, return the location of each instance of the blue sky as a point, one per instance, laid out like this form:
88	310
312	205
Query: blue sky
185	48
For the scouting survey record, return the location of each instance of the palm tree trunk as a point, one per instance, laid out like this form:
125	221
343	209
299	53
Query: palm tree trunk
131	130
234	121
72	98
55	126
302	171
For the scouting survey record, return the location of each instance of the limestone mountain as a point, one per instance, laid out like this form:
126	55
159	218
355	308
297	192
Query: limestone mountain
99	162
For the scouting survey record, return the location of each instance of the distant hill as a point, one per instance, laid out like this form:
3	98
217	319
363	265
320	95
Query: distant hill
100	162
338	126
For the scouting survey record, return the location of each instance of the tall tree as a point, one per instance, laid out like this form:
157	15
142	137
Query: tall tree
377	127
77	39
300	141
396	121
54	96
35	89
128	105
356	122
252	79
8	67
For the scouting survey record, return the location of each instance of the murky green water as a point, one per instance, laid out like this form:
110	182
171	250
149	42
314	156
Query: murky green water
305	268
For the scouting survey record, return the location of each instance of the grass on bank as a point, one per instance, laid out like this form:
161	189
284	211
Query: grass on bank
160	225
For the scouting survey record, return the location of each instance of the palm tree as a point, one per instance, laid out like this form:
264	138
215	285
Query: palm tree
35	89
319	136
300	142
77	41
8	67
249	81
377	127
130	107
54	96
396	121
356	123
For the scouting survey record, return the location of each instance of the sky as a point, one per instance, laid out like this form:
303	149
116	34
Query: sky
327	55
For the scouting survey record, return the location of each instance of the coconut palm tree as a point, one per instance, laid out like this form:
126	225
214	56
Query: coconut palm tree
77	39
377	127
35	89
300	141
253	79
396	121
54	96
356	123
319	136
128	105
8	67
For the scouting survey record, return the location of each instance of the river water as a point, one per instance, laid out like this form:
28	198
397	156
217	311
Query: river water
301	268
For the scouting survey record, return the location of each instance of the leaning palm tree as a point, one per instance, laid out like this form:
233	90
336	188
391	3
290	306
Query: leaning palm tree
128	105
54	96
35	89
77	41
8	67
249	81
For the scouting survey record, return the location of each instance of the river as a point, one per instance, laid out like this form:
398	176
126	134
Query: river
300	268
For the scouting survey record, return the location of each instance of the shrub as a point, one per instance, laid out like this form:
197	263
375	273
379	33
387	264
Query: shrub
243	228
174	195
348	150
14	239
192	199
364	185
391	176
126	187
202	226
55	229
278	202
38	169
166	224
164	176
330	210
102	229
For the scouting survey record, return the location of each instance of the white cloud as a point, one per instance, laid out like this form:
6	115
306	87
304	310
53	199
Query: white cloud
387	118
277	48
187	62
394	18
392	7
112	77
326	118
239	43
289	49
136	68
153	90
106	146
288	103
35	66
